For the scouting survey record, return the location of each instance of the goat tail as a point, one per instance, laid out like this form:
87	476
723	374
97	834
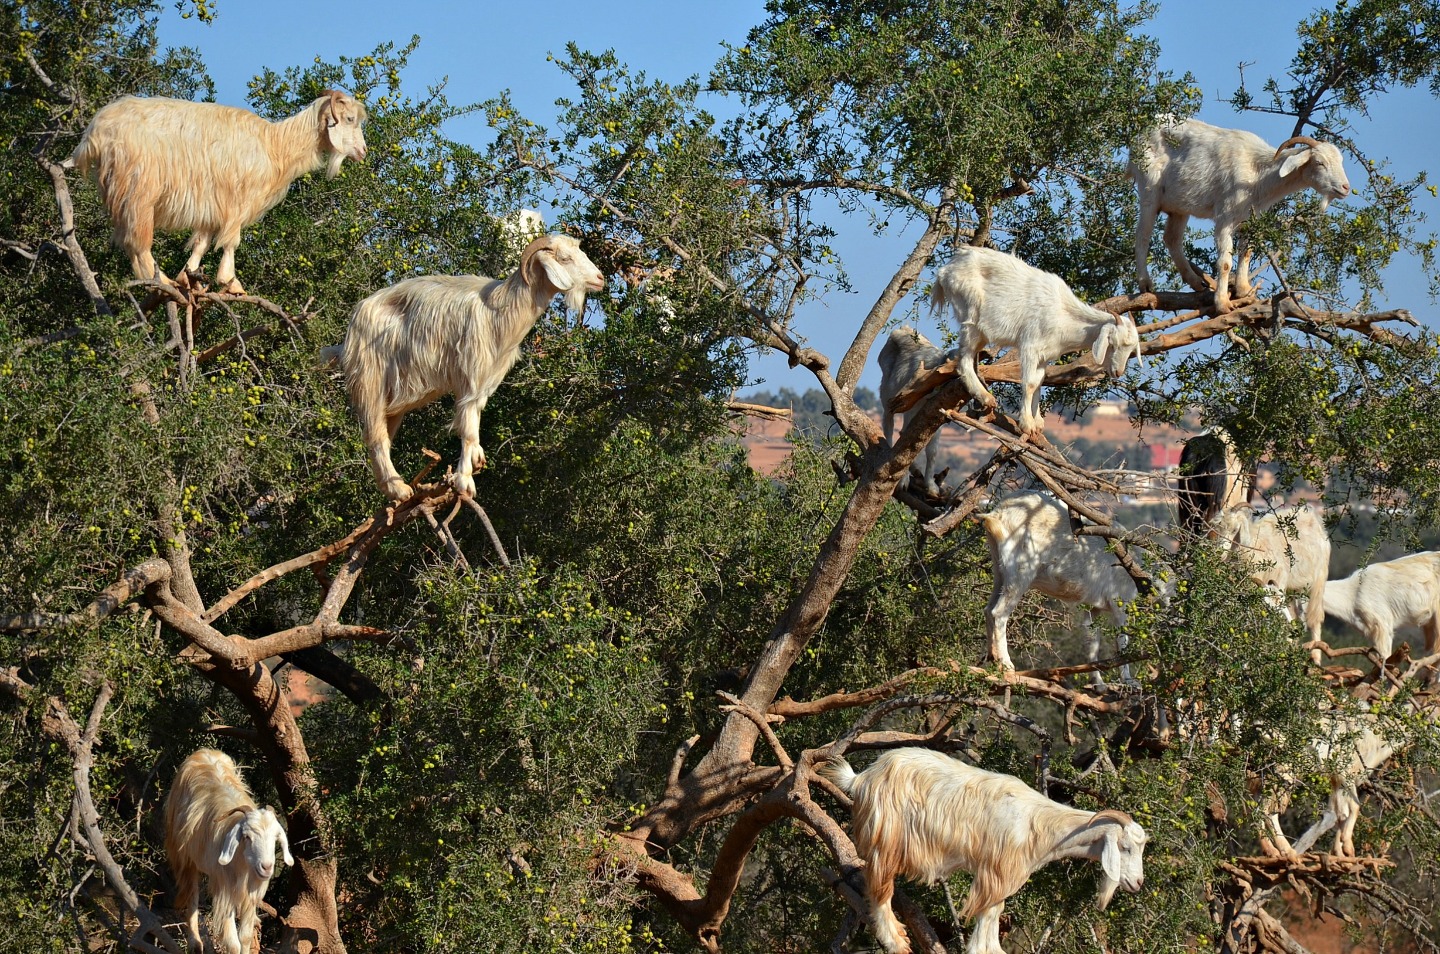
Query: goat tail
84	155
938	298
838	771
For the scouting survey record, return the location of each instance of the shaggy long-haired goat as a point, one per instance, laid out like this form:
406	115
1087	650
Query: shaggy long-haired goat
1001	301
411	343
1209	480
906	356
213	828
1289	556
173	164
1381	599
923	815
1225	175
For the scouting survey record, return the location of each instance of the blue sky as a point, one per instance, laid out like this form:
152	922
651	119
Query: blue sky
487	47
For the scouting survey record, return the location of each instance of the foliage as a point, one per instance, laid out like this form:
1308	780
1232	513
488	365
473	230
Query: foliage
508	723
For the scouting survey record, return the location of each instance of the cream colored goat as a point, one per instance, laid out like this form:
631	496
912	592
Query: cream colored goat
426	337
214	829
1000	301
1191	168
1289	554
1033	548
173	164
1382	599
1354	746
923	815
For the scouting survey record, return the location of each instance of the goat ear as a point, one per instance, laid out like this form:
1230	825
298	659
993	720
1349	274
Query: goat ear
530	260
1103	343
1110	853
1294	161
284	842
232	842
559	276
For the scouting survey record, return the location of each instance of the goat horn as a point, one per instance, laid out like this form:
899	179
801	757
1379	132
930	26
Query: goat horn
1112	814
1296	141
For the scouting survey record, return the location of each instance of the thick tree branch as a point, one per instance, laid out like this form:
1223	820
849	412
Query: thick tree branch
128	587
78	262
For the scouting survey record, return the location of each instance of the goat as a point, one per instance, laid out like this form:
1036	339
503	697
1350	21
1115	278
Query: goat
924	815
172	164
1353	746
906	356
1383	598
210	816
1033	548
1225	175
1209	480
426	337
1288	553
1001	301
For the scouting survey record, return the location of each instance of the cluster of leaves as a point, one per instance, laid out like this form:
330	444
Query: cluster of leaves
523	712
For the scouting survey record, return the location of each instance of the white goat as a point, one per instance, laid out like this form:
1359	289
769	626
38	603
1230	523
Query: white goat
425	337
924	815
906	356
1033	548
1001	301
210	818
1354	747
173	164
1225	175
1382	599
1289	553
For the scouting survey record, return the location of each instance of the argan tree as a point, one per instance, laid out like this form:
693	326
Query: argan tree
583	710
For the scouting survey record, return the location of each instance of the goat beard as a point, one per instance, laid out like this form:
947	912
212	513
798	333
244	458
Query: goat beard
575	298
1107	891
332	167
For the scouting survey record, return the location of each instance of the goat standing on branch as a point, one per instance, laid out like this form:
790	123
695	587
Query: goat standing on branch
211	820
1352	747
426	337
924	815
1001	301
1225	175
1033	548
1289	554
907	355
173	164
1379	600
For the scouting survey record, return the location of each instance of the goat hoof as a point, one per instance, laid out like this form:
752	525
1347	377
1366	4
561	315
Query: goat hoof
233	287
397	490
464	485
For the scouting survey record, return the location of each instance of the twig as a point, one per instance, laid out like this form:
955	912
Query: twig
762	722
489	530
761	411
